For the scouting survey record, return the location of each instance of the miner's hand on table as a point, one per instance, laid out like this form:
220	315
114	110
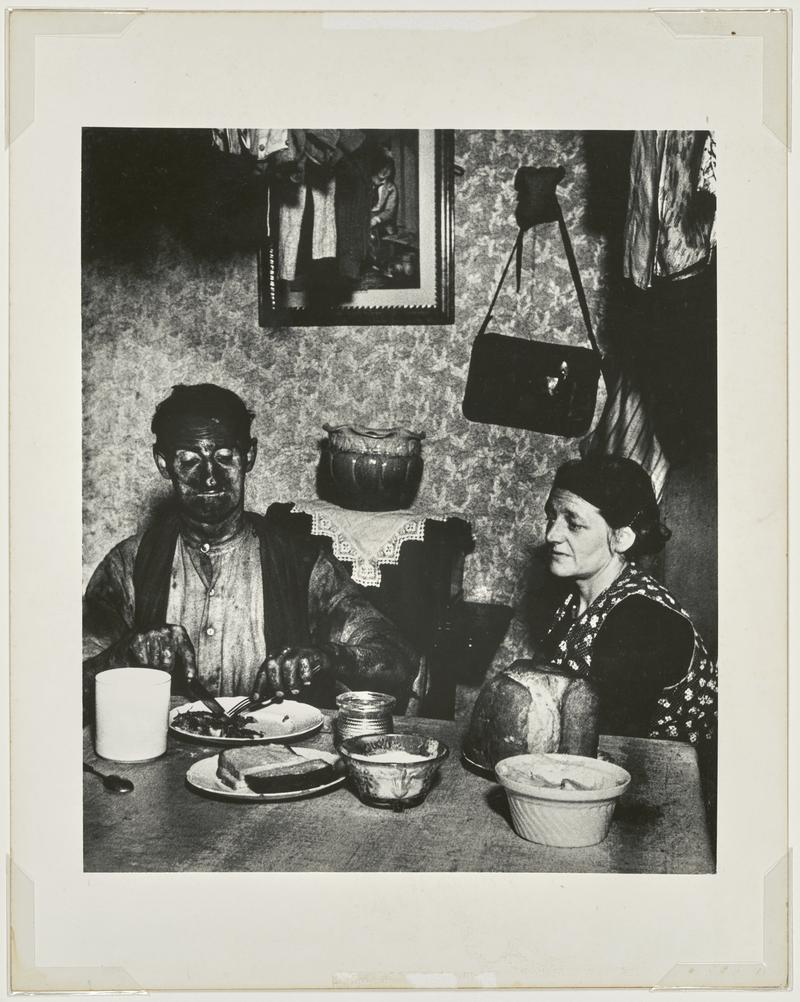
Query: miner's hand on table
167	648
287	672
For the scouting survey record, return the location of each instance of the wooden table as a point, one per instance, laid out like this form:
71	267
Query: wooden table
164	825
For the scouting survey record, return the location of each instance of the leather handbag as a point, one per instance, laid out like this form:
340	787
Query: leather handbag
534	385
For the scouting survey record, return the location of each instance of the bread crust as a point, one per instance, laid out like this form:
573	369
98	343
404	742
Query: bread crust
240	768
526	709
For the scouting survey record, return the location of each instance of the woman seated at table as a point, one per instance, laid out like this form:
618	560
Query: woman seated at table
639	665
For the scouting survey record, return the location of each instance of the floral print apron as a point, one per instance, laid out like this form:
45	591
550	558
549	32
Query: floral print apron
687	710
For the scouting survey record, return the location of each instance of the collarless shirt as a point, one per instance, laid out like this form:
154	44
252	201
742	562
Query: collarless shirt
216	594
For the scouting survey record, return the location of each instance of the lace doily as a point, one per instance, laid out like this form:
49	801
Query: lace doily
366	539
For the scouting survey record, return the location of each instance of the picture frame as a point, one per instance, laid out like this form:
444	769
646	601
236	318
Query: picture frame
407	273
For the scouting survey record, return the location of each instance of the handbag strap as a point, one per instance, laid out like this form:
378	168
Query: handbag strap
576	279
573	269
488	317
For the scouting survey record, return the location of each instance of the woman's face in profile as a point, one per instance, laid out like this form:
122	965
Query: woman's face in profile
579	540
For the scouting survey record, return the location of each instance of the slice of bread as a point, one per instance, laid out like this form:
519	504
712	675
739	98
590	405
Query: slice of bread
271	769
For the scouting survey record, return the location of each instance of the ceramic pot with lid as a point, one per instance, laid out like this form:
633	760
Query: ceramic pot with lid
371	469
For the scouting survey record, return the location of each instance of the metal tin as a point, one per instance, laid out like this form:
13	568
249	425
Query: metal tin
362	713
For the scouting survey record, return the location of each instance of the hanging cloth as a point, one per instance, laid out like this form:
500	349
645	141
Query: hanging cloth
669	230
626	429
259	143
291	206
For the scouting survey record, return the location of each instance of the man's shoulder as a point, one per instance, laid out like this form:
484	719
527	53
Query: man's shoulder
288	531
124	552
281	520
116	567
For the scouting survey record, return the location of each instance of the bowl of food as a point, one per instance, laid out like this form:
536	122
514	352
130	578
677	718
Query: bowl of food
392	770
561	800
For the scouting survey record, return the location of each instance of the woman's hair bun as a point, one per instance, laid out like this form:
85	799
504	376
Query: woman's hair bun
651	535
623	493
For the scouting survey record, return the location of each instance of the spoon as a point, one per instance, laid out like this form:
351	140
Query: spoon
116	784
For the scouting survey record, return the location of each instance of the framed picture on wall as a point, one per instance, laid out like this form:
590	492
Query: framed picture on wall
360	229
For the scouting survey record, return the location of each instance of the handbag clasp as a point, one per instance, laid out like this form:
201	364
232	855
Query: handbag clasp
553	384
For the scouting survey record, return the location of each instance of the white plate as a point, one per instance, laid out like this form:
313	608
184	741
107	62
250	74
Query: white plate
302	720
203	776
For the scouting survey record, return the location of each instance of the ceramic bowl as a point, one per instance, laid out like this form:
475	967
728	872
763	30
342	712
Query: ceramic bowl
577	813
383	772
371	469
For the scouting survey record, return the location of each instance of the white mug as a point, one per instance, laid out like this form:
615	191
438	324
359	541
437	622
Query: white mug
131	713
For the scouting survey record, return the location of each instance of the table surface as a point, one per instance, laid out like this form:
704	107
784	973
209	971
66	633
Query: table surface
463	825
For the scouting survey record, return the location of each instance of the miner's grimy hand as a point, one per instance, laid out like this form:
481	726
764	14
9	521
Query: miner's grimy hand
167	647
286	673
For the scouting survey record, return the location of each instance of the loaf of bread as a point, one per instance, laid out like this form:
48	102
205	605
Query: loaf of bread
271	769
527	709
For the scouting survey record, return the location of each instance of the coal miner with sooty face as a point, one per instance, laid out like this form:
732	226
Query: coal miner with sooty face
211	590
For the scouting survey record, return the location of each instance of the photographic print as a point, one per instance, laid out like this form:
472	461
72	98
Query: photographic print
336	627
430	632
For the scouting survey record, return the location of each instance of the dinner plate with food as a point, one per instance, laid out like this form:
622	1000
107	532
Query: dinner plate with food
284	721
267	772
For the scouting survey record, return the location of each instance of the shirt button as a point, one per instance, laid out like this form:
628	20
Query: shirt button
210	631
205	547
212	591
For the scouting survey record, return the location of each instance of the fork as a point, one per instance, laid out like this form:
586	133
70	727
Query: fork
248	703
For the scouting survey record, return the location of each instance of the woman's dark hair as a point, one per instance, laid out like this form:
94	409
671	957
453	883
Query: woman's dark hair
624	495
203	400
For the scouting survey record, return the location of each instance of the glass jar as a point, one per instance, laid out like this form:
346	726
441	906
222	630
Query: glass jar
362	713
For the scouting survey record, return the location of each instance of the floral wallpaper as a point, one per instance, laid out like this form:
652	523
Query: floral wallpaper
177	316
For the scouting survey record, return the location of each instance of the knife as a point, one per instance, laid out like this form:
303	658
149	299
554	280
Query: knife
199	691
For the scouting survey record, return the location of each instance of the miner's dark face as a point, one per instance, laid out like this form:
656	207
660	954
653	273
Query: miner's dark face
207	466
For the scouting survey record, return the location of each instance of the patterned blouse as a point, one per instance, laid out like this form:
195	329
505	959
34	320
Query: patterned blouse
685	711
